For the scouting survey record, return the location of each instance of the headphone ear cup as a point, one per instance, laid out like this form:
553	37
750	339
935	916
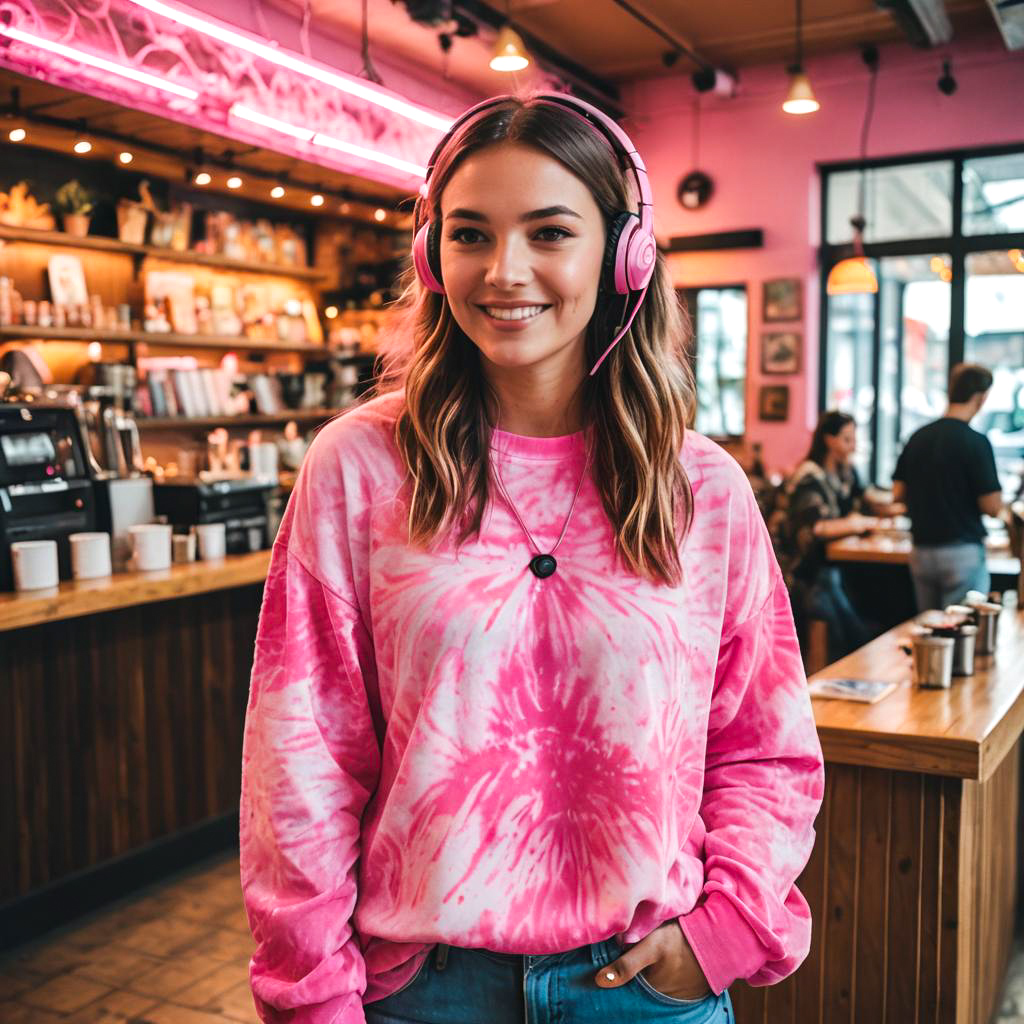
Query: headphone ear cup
613	271
426	258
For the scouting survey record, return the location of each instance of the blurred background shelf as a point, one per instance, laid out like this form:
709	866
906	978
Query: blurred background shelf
59	238
114	337
251	420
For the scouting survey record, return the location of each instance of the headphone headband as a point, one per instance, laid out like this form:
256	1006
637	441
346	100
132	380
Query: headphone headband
634	250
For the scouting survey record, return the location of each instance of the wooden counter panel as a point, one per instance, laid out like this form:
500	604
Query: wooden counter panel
125	590
965	731
911	887
119	729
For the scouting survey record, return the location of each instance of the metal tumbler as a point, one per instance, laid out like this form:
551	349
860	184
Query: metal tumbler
933	661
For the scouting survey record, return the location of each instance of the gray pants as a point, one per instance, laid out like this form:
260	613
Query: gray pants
944	573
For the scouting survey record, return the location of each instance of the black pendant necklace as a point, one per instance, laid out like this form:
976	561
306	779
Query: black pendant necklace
542	565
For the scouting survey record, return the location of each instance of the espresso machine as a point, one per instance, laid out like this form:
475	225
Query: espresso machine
46	492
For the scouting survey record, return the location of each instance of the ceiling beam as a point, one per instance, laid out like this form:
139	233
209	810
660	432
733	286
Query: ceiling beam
924	22
681	46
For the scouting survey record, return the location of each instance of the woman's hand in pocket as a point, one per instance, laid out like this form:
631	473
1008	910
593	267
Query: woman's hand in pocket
667	961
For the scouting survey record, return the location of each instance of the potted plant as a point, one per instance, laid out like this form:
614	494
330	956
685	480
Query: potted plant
76	202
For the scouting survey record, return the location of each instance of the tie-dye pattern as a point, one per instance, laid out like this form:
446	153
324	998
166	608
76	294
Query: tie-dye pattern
441	747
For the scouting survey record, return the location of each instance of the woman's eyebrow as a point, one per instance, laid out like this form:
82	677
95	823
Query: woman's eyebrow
461	213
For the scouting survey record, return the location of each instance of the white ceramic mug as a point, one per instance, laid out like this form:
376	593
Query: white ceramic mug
151	546
35	564
213	539
90	555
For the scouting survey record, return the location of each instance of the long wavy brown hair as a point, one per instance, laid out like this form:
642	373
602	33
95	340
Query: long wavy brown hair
636	407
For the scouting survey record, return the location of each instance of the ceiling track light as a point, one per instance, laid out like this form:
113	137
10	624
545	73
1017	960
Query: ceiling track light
801	98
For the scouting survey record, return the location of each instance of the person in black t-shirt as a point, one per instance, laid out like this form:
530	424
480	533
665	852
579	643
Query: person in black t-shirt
946	474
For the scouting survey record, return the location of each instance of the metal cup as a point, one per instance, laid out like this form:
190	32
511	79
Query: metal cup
986	614
933	661
963	650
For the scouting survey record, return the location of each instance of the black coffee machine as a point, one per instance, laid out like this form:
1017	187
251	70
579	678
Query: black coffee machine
240	504
45	489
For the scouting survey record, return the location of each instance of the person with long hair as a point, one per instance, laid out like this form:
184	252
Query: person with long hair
825	501
528	733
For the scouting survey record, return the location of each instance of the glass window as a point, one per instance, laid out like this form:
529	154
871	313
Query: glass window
994	337
994	194
913	337
900	202
720	346
849	371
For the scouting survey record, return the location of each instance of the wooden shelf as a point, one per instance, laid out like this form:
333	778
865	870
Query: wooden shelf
73	598
253	420
115	337
58	238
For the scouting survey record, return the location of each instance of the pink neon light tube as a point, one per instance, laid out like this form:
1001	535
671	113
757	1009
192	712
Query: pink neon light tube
98	62
345	83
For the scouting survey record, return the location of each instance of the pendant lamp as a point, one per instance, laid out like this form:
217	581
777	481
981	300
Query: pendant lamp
854	276
801	96
509	51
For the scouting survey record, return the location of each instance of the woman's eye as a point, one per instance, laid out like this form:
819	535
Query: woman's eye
552	234
466	236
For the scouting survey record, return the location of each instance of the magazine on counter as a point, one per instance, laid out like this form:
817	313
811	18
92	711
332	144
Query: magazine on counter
867	691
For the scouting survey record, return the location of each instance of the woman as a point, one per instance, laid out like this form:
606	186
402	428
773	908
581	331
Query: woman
528	730
823	502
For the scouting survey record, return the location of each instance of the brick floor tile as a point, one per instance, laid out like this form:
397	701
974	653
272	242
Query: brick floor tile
64	994
166	980
205	994
226	945
163	936
18	1013
169	1013
235	919
116	1008
236	1004
114	965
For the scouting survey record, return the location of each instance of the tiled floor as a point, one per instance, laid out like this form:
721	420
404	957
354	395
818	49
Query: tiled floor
177	954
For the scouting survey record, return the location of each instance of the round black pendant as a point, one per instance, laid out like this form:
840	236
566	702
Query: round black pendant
542	566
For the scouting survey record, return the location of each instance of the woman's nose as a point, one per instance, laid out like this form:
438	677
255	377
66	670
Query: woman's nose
509	265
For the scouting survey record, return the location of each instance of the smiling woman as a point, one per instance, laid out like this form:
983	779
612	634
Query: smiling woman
594	777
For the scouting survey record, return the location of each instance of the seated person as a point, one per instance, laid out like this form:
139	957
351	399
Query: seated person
824	499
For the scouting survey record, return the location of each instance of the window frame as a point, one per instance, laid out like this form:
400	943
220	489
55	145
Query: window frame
687	295
958	245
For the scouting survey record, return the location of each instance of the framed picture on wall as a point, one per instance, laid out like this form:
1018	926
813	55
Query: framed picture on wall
780	352
773	403
782	299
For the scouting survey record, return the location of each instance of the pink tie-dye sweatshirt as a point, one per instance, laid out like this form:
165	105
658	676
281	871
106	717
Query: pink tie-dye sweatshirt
441	747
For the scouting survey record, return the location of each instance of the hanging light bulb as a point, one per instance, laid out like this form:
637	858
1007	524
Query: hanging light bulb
316	200
509	51
202	178
125	157
380	215
801	96
17	134
234	181
854	275
82	146
277	192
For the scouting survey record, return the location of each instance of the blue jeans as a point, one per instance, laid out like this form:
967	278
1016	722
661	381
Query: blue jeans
943	573
479	987
827	599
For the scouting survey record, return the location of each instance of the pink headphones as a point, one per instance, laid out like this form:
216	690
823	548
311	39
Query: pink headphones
630	250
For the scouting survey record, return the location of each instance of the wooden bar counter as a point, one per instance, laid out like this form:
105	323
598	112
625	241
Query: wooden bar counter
912	883
121	710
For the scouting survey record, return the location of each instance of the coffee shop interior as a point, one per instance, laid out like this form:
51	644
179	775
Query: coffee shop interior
205	214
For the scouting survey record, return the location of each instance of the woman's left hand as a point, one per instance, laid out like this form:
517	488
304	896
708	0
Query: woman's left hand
667	961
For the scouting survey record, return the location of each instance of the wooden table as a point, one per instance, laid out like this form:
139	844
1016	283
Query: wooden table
913	879
894	549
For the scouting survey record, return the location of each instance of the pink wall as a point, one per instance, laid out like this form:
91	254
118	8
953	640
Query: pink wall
763	164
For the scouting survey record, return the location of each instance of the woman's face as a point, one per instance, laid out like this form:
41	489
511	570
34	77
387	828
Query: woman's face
522	241
842	445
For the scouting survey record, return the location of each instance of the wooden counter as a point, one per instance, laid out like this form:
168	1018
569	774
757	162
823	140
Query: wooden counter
912	882
121	710
124	590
